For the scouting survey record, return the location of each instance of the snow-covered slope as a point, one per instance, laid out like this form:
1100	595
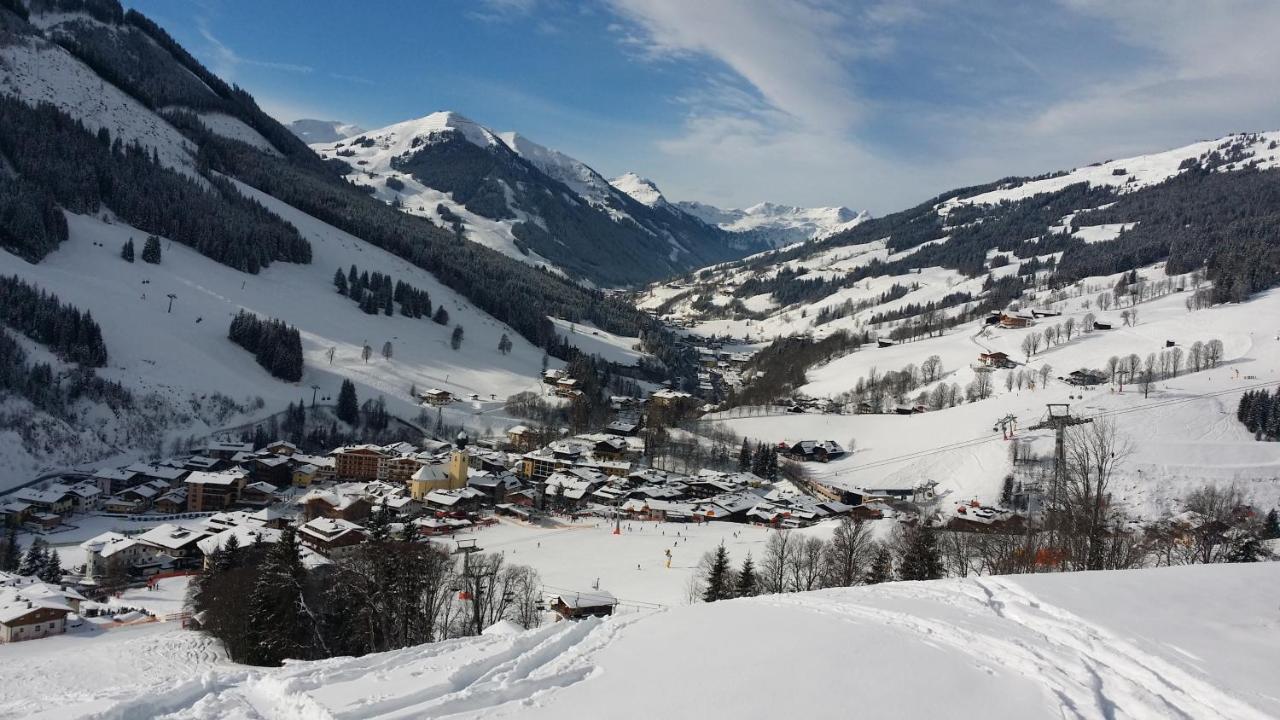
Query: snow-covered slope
1259	150
185	353
36	70
574	173
323	131
1189	642
1183	435
781	224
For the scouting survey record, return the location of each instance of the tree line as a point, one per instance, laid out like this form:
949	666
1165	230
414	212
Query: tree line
793	562
1259	410
377	292
266	606
276	345
70	334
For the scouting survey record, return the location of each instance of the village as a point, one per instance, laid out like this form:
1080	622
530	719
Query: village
162	519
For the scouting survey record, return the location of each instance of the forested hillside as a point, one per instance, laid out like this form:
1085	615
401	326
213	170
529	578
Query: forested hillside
1214	206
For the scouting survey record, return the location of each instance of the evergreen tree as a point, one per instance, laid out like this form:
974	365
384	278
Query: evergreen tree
1271	527
276	346
455	340
340	281
52	570
747	584
348	406
717	582
771	466
10	553
881	569
744	457
279	626
260	438
35	560
379	524
151	250
441	317
127	251
504	344
1246	549
760	460
921	560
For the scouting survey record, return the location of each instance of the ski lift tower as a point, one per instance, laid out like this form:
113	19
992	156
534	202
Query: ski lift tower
1058	418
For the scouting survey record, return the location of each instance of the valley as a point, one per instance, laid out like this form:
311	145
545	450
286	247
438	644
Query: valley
300	419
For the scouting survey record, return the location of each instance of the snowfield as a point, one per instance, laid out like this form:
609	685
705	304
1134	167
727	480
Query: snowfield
88	670
1189	642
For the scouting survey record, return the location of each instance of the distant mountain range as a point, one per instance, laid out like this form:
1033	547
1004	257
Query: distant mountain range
323	131
537	204
778	225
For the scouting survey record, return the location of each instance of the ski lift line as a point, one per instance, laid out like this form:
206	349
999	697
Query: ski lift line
960	445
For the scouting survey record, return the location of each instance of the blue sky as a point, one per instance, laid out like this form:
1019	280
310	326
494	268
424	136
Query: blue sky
874	105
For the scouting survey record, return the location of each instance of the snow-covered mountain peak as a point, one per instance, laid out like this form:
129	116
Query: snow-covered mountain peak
446	121
641	189
375	150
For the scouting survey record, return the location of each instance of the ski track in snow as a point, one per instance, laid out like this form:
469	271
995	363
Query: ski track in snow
1092	672
518	669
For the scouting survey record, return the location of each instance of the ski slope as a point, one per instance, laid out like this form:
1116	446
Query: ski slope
175	355
1188	642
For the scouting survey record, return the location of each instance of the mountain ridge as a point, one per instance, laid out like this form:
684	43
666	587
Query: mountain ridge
530	202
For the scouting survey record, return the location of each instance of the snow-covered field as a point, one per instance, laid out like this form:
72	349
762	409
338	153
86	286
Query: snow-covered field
575	557
1189	642
88	670
1183	435
593	341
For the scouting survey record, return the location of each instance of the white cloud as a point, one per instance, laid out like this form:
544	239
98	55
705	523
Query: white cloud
785	118
784	48
226	60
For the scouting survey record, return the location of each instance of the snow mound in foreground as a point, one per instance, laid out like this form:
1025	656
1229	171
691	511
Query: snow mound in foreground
1194	642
